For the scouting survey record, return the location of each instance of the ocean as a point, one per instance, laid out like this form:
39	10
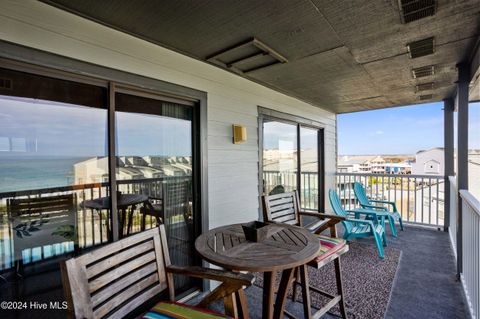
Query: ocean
32	173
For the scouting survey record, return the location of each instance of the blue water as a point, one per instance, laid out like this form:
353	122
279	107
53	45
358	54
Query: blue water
33	173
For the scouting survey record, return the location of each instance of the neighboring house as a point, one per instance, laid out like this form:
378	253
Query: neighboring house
346	165
361	164
378	165
429	162
398	168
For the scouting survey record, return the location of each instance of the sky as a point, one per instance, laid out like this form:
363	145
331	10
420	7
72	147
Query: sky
51	129
400	130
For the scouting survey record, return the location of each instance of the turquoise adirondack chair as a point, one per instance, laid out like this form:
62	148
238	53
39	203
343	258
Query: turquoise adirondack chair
359	228
367	203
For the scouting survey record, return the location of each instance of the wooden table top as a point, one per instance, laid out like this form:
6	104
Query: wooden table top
288	247
124	201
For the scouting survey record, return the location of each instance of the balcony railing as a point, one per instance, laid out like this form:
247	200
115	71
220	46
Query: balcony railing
91	224
308	185
471	251
419	198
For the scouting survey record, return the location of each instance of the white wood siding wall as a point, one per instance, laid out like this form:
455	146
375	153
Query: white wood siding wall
232	169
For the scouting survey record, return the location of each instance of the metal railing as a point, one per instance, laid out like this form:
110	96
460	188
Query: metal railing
452	230
471	251
308	185
91	225
419	198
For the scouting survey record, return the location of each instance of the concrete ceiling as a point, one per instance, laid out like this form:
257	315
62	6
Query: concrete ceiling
343	55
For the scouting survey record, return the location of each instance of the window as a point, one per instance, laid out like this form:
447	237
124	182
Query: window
292	154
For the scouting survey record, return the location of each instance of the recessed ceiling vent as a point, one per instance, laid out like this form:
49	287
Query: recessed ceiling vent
421	48
425	86
423	71
425	97
247	57
5	84
413	10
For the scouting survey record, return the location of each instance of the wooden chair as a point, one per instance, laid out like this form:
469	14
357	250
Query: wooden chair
114	280
285	208
360	228
378	205
40	223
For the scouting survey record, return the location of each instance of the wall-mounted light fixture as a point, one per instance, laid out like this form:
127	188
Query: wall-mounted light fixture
239	134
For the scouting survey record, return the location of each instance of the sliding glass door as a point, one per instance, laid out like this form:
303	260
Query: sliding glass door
59	178
154	171
292	160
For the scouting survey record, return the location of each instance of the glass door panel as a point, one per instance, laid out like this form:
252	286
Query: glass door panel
52	131
279	157
309	168
154	172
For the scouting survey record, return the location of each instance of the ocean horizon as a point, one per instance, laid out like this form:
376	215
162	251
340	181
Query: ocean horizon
25	173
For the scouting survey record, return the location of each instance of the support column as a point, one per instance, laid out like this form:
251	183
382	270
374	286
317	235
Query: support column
448	142
462	151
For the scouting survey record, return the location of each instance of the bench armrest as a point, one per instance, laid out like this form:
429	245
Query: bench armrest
213	274
322	215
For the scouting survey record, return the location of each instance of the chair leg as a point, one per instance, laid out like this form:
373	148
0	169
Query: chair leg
305	292
378	241
296	275
391	221
143	221
401	223
338	275
230	303
242	304
384	234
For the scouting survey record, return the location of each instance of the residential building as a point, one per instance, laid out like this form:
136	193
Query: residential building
429	162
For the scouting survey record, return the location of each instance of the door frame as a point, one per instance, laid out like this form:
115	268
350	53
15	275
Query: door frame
299	122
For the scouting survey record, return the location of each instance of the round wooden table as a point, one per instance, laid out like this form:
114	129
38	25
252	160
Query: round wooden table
287	248
123	202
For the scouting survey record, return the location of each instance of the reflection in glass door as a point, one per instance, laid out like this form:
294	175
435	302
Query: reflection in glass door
51	129
309	168
279	157
154	171
292	161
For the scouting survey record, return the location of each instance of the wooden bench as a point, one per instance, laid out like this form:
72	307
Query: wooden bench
114	280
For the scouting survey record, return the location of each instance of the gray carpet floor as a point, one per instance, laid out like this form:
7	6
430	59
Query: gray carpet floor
367	281
425	285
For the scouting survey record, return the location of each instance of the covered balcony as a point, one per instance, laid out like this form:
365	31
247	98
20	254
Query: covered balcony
118	117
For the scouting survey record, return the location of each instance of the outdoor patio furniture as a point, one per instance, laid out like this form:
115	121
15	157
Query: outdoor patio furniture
123	202
359	228
42	222
365	202
174	201
287	248
93	289
285	208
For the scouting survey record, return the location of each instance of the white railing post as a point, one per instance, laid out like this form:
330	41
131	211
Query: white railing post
470	275
420	199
